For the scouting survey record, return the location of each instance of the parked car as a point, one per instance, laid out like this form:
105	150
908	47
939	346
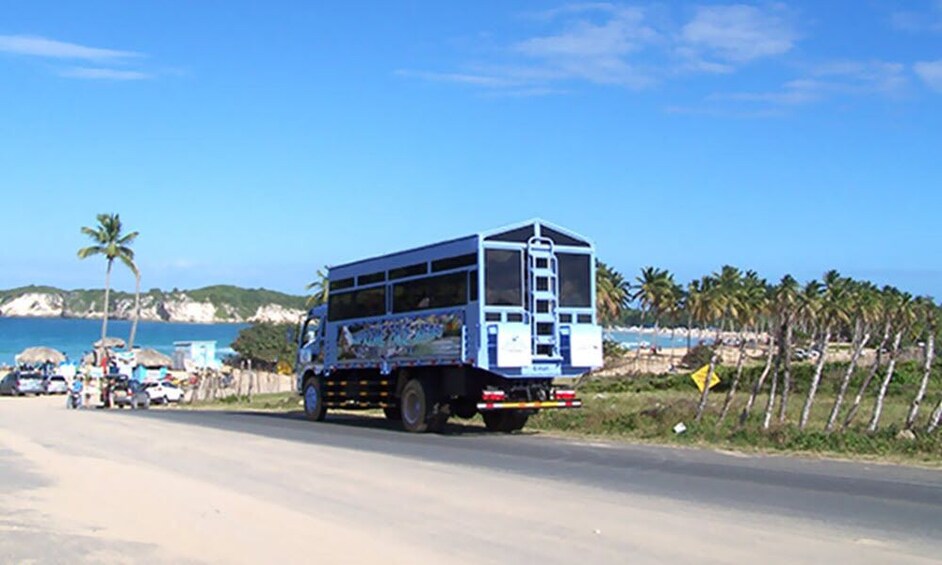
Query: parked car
55	384
18	383
163	392
126	392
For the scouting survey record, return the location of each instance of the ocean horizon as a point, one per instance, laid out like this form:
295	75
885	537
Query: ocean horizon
75	336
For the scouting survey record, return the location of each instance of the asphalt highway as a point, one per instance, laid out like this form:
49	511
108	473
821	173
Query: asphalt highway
876	498
186	486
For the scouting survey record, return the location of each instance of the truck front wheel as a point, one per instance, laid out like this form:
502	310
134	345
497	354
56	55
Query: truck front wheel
314	408
416	408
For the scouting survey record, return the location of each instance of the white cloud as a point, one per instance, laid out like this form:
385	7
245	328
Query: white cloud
916	22
736	34
838	78
863	77
931	73
103	74
36	46
596	51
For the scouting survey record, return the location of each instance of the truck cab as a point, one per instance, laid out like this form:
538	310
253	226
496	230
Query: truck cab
311	343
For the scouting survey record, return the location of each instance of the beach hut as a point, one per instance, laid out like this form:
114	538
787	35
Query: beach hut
152	359
40	356
151	364
194	355
110	343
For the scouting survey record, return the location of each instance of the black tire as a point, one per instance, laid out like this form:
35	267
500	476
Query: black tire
417	408
465	408
392	413
505	421
313	396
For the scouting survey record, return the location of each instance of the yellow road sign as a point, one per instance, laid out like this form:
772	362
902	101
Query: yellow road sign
699	376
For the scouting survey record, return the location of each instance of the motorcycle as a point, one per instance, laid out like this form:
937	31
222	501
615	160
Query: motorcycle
75	400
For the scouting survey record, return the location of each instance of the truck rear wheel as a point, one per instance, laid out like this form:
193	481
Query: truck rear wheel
417	408
505	420
314	408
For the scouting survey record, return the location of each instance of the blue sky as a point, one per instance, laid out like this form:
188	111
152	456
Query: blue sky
251	144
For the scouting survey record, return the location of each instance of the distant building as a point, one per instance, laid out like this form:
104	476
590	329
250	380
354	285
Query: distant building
194	355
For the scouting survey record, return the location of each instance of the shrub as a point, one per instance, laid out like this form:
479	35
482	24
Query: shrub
698	356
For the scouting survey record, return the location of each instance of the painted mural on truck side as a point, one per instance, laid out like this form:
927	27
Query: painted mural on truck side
409	337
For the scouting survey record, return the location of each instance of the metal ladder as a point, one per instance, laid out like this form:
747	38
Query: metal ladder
543	279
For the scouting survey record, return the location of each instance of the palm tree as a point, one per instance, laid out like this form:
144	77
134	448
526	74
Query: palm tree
650	290
111	242
864	304
903	320
713	308
767	306
694	303
784	306
137	303
887	303
320	287
674	304
612	292
832	313
751	300
927	310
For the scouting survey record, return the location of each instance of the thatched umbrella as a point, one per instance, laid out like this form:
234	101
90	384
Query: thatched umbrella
110	343
152	358
40	355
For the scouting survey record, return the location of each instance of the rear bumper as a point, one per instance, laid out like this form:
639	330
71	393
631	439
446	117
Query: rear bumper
535	405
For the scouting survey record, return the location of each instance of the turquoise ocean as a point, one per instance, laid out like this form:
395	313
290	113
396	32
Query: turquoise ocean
75	337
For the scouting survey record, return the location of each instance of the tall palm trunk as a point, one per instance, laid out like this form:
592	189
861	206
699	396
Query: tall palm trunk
104	319
640	333
137	310
859	344
757	387
881	394
689	330
926	372
701	407
787	376
671	349
852	412
770	405
935	419
816	380
735	384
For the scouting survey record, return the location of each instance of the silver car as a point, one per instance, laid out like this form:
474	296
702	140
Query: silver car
19	383
56	384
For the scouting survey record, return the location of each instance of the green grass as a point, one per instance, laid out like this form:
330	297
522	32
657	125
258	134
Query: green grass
646	408
273	401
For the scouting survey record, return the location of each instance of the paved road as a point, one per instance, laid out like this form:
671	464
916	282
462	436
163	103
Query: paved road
466	495
880	498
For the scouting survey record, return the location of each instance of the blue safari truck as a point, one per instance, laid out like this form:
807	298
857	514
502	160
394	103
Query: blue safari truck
481	324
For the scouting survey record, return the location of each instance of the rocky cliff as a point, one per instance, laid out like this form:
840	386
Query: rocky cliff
209	305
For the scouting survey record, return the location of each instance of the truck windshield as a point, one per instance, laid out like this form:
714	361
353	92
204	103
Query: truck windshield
503	277
310	329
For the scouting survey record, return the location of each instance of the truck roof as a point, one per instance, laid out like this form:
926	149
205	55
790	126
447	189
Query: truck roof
519	233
